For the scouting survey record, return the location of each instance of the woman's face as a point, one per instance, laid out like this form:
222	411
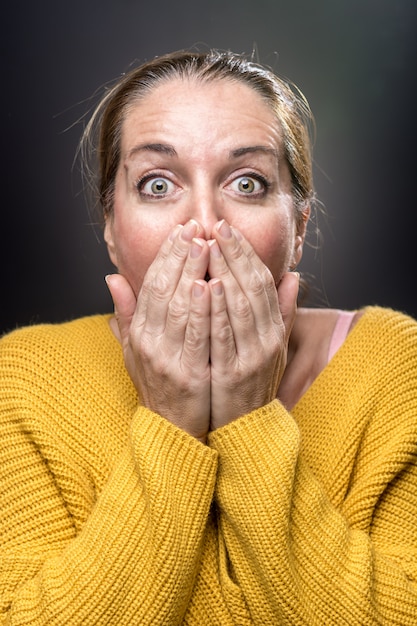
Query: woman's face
207	151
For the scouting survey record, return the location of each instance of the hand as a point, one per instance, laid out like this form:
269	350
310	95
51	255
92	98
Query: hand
251	322
165	334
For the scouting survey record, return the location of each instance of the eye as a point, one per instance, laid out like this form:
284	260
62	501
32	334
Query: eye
155	186
249	185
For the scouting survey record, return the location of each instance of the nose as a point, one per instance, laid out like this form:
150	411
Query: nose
206	206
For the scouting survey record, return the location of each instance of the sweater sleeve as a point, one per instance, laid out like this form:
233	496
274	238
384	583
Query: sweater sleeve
135	558
298	556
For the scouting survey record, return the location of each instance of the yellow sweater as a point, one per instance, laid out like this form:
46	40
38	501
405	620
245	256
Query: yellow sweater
111	515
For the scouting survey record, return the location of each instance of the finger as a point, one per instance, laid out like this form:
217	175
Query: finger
287	297
160	259
222	344
238	305
263	271
162	280
196	347
228	257
248	302
124	301
194	270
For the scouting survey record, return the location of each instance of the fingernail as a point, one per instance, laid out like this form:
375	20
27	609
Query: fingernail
198	289
216	287
108	278
196	248
224	229
214	249
189	231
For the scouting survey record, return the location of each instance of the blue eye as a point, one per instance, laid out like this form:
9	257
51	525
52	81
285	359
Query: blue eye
155	186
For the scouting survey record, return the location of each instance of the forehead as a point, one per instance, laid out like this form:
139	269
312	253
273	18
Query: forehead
216	114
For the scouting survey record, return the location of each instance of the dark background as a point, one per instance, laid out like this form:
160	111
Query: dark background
355	60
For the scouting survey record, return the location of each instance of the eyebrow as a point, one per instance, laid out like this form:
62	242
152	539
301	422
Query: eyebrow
162	148
251	149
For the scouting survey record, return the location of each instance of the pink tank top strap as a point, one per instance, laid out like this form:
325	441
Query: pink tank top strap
340	331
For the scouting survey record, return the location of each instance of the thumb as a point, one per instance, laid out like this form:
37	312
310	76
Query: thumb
124	301
287	298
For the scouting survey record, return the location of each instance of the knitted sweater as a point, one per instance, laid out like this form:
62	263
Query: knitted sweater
112	515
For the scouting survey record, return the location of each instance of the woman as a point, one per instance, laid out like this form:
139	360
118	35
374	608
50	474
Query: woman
209	455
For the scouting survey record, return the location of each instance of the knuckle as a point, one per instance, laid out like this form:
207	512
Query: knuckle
179	250
224	335
176	311
194	336
159	287
192	340
146	289
189	385
242	307
236	252
197	327
256	285
140	344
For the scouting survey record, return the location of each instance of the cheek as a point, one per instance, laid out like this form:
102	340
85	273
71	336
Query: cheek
137	245
273	243
137	233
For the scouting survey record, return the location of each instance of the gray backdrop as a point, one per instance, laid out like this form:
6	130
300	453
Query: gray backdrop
355	60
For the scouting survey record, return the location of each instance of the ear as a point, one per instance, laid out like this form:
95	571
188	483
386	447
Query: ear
300	236
109	239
